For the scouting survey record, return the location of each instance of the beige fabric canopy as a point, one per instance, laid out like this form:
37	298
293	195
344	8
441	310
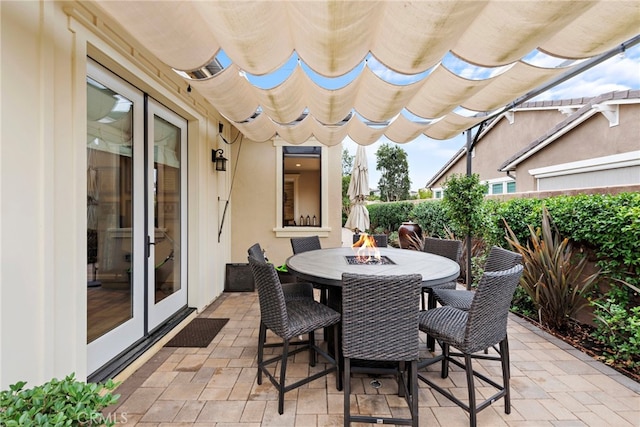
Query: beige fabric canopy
385	42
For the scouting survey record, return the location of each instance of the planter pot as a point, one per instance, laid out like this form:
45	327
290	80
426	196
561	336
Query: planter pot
239	278
407	231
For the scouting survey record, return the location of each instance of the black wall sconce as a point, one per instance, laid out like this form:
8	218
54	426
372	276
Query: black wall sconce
219	160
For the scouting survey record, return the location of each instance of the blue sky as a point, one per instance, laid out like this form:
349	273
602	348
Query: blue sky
426	156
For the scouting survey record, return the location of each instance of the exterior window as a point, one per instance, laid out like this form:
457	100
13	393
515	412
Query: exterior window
496	188
511	187
301	189
438	194
301	205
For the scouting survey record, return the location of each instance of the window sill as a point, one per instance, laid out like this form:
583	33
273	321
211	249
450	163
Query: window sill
302	231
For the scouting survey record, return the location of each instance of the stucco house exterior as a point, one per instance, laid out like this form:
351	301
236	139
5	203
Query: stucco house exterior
556	145
82	108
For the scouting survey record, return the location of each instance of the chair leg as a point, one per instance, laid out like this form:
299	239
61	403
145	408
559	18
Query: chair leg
431	303
506	374
400	378
445	361
312	350
283	371
337	356
347	392
413	383
471	390
262	337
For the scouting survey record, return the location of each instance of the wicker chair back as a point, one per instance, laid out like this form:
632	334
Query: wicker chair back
501	259
304	244
273	309
380	317
448	248
487	321
256	251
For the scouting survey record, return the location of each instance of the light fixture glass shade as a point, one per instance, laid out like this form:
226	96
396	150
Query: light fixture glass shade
219	160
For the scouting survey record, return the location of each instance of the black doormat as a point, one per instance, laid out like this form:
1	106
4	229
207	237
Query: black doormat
198	333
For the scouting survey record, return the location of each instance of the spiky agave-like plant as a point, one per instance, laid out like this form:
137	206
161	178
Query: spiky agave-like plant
553	274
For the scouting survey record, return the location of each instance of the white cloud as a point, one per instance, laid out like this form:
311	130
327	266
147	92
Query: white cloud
617	73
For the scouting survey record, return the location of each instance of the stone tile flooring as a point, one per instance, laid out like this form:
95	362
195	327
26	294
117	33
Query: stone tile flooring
552	384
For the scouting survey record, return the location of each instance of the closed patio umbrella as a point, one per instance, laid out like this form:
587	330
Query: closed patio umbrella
358	219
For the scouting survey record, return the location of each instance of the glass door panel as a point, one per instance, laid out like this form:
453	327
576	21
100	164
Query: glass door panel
114	307
166	172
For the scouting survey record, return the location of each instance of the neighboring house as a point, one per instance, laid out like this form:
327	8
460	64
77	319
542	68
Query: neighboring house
556	145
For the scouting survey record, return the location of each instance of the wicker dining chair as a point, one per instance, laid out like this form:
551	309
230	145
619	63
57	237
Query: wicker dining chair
483	326
288	319
447	248
498	259
304	244
293	290
380	324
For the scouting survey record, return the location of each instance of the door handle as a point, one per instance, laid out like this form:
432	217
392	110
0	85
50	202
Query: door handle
148	246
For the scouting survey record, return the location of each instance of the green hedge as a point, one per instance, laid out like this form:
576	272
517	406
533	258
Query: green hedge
387	217
432	218
608	224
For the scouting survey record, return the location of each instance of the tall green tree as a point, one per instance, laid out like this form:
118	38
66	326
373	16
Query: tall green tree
347	168
346	202
462	202
394	182
347	162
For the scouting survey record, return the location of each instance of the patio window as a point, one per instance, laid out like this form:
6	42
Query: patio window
302	186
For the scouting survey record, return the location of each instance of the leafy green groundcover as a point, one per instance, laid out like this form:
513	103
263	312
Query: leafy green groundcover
66	402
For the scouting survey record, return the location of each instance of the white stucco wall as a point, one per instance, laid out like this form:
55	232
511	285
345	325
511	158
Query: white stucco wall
43	184
253	216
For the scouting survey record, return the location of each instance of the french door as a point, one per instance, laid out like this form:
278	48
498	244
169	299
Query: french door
166	191
136	221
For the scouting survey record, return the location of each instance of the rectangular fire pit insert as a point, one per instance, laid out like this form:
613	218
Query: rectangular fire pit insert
365	260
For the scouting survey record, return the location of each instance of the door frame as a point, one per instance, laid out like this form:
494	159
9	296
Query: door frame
105	349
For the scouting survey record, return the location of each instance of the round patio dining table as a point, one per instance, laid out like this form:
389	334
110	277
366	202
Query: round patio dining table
324	267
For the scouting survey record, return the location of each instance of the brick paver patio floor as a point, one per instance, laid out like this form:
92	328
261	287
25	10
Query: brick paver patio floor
552	384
